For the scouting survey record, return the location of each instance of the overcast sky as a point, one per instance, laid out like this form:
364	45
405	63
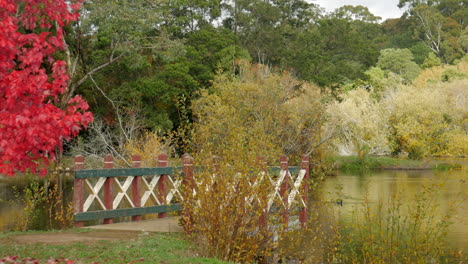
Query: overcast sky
382	8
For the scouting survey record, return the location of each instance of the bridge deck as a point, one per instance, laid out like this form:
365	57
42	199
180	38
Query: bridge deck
169	224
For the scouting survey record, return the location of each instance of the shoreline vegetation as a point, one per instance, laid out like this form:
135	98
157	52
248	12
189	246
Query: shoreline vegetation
350	163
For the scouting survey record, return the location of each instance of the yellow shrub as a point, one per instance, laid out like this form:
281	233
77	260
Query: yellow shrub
429	120
275	112
149	145
434	74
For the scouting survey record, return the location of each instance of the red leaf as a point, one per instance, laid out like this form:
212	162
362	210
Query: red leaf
31	125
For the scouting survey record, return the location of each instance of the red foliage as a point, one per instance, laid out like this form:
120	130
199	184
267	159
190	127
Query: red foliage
32	125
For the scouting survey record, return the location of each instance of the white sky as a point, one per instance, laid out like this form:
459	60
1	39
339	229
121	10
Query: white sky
382	8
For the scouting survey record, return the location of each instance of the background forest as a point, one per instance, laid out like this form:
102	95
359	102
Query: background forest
150	69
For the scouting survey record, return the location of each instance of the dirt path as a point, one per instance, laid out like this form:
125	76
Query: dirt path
92	234
67	237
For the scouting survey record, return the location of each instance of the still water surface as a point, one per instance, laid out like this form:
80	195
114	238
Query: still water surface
352	188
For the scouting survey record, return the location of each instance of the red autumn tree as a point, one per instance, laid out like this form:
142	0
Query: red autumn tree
33	121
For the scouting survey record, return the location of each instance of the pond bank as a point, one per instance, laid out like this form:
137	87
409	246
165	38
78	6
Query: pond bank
389	163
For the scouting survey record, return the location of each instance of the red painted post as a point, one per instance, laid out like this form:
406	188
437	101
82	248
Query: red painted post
284	190
305	165
188	185
162	184
136	186
108	188
263	221
187	162
78	190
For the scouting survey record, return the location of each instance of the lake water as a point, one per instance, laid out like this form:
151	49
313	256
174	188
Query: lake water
352	188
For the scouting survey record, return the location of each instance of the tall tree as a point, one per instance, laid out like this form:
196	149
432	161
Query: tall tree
335	50
359	12
438	24
266	28
32	123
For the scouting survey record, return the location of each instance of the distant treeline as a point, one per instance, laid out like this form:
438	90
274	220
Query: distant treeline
148	59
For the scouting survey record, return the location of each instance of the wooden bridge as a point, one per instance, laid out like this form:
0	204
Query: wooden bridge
109	193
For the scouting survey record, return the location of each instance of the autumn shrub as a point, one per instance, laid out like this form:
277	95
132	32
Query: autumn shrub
317	241
400	229
436	74
452	74
414	121
360	123
429	121
44	205
222	213
148	146
245	119
288	113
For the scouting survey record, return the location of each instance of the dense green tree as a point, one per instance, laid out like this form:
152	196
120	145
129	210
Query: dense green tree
400	62
359	12
420	52
267	28
143	60
431	61
335	50
398	33
184	16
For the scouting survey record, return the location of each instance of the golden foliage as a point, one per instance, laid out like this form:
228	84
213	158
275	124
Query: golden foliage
223	212
148	146
434	74
276	113
361	123
427	118
256	114
430	121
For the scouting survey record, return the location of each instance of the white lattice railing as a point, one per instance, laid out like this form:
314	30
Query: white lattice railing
108	193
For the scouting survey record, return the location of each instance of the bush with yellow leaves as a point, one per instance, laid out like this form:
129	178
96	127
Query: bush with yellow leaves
255	114
148	146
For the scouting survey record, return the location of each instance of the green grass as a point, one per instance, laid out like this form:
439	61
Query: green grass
145	248
350	163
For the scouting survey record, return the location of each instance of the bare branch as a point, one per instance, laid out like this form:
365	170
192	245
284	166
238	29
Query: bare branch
117	112
93	71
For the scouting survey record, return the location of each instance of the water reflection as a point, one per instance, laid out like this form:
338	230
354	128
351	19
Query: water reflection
381	185
27	200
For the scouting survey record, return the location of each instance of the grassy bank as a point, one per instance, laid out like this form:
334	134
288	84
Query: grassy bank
78	246
370	162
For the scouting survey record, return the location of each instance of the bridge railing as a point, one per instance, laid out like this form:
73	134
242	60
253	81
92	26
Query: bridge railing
110	192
